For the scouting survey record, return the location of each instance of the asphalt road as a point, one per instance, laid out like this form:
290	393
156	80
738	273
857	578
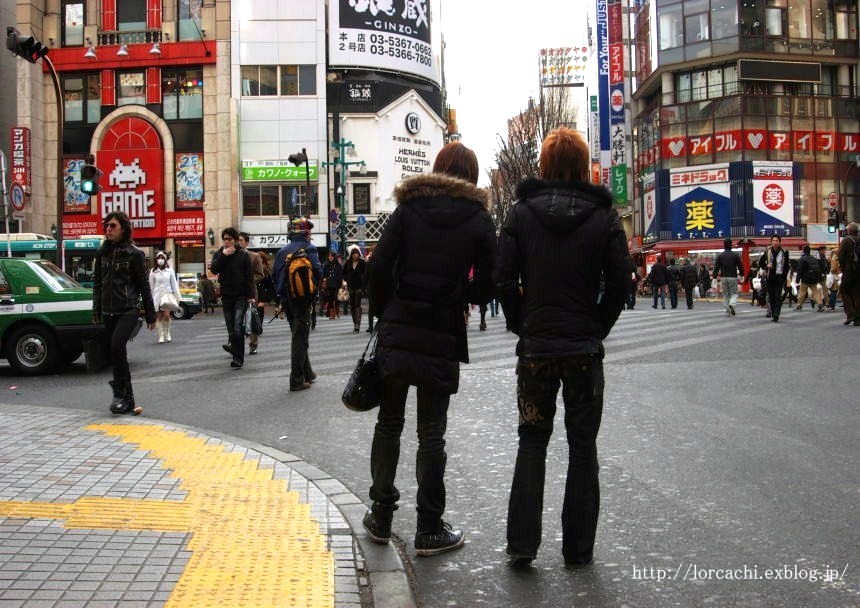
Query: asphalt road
728	449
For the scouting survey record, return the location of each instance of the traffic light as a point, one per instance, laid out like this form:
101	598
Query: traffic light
25	47
90	177
299	158
833	221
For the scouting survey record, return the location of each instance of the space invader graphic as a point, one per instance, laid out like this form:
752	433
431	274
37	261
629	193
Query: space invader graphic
127	177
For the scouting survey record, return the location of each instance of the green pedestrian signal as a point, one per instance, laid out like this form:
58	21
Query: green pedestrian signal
90	177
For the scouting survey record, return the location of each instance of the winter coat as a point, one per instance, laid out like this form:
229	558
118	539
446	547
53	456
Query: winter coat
235	274
674	273
564	268
809	269
356	278
298	240
119	281
688	276
162	281
728	264
659	275
770	260
332	274
418	278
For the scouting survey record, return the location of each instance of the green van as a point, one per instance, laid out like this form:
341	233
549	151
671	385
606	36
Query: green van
44	316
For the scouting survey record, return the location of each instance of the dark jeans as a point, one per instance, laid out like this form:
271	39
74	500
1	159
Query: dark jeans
631	298
774	295
234	319
688	294
431	459
355	306
537	388
300	362
673	294
661	291
118	328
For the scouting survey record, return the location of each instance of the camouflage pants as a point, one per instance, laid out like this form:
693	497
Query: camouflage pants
538	384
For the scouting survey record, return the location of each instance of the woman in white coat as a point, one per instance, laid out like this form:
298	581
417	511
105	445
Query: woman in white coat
162	280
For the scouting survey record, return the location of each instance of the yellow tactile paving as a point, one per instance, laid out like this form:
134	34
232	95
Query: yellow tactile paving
253	543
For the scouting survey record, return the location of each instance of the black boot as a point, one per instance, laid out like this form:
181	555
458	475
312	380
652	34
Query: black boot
116	402
377	523
127	404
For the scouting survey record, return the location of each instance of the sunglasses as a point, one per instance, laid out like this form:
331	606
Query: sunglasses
112	225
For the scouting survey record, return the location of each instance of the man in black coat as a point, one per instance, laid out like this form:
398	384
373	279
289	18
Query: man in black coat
418	287
659	278
809	271
688	278
728	265
563	275
775	262
232	264
674	279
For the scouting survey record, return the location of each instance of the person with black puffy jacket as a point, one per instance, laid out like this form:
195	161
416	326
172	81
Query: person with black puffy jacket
809	271
563	275
119	286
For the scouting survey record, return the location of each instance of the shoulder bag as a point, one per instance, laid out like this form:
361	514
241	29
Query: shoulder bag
168	302
363	390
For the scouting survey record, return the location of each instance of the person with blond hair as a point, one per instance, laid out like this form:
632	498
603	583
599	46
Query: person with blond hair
563	274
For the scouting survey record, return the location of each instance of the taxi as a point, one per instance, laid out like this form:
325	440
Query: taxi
44	316
189	300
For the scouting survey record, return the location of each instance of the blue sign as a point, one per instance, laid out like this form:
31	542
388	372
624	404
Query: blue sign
332	215
361	220
616	104
701	213
603	72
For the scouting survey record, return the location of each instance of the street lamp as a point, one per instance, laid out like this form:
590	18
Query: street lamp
30	49
211	234
54	230
339	148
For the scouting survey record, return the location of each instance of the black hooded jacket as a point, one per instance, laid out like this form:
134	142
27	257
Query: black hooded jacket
564	269
119	281
418	277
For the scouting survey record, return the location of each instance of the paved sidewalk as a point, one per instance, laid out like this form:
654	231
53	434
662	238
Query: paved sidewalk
124	511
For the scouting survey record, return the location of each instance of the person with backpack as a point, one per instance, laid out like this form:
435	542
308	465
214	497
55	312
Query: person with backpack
849	261
297	274
355	276
809	271
232	264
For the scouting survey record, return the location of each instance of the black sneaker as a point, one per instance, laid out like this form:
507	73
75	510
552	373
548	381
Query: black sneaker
252	350
732	309
227	348
519	560
235	363
576	564
433	543
378	527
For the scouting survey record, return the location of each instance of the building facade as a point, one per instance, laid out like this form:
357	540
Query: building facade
746	121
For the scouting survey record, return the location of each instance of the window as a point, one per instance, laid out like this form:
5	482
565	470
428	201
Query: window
671	30
799	19
284	80
822	20
130	88
846	19
774	18
724	19
182	93
73	23
131	15
82	98
361	198
278	200
4	285
682	87
696	23
189	19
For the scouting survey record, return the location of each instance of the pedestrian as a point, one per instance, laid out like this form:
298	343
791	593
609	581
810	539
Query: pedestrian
824	265
235	273
728	265
704	281
834	279
849	262
291	259
790	290
688	278
674	280
634	284
162	281
355	276
659	278
809	271
332	274
418	283
565	243
119	283
775	262
259	275
207	293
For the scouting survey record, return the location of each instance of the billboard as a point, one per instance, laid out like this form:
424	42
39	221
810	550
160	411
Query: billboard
563	66
391	35
74	201
189	180
135	185
650	227
699	205
773	197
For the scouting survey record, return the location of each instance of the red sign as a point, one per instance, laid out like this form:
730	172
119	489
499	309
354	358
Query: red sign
773	196
79	225
760	139
673	148
615	21
780	141
616	63
20	147
185	225
133	183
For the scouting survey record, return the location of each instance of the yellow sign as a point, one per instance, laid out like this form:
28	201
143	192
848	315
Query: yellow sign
253	543
700	215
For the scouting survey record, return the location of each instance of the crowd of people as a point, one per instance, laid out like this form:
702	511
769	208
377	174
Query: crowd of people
418	292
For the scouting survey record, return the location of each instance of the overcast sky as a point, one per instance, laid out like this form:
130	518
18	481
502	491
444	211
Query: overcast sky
491	60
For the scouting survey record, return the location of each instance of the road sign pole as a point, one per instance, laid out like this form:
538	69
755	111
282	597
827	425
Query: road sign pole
5	202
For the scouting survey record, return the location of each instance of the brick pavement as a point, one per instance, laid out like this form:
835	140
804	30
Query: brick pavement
127	512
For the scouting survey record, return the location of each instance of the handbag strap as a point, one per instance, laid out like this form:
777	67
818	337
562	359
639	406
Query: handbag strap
372	342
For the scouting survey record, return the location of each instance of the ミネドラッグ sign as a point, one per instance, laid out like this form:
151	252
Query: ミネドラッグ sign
383	34
276	171
773	197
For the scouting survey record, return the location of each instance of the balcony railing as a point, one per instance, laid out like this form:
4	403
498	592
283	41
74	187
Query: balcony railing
108	37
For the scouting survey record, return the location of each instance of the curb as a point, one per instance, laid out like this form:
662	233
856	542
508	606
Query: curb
382	576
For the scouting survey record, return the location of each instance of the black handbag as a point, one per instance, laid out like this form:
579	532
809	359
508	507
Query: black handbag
363	390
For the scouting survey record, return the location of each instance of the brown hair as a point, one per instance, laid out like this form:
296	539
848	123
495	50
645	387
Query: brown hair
124	223
564	156
457	160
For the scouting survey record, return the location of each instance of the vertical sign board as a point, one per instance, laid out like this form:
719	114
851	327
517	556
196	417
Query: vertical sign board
74	201
189	180
594	129
699	202
617	124
19	144
650	225
378	35
603	83
773	197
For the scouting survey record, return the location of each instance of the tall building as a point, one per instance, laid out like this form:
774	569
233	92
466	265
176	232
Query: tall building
138	82
746	121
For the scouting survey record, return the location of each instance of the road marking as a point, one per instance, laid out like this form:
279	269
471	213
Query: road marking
253	543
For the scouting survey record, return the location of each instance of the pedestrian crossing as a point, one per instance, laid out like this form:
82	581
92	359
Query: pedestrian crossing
334	348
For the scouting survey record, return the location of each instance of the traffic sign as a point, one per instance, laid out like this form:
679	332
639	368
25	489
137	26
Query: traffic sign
16	197
332	215
833	200
361	220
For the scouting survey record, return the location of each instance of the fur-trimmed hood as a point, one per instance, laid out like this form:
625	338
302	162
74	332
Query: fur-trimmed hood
433	185
562	207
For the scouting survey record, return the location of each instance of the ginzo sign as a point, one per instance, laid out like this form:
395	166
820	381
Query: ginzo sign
133	183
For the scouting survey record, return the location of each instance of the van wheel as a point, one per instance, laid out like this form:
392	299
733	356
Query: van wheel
32	349
181	313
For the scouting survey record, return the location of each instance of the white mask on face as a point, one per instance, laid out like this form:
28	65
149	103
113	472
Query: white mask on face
161	261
